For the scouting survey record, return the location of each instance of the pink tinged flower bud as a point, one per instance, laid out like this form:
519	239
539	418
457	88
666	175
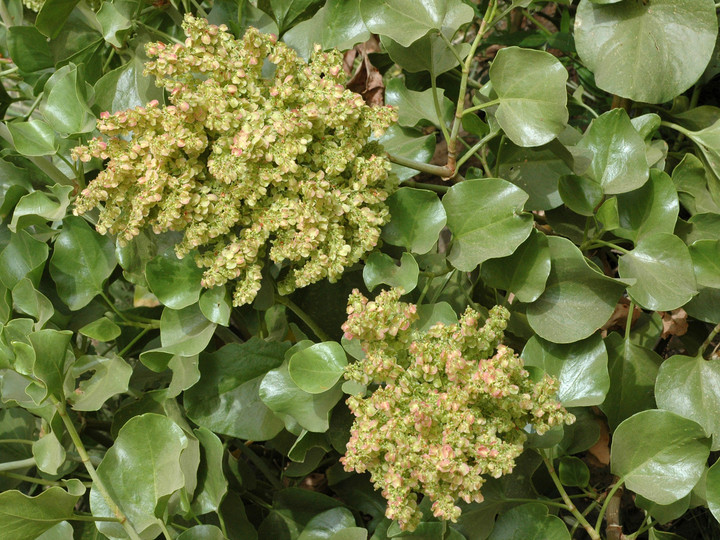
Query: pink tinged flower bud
104	115
253	61
184	106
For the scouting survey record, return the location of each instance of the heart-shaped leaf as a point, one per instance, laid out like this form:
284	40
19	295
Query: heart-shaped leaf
418	216
652	208
381	268
317	368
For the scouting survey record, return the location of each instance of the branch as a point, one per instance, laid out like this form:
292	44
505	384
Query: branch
442	172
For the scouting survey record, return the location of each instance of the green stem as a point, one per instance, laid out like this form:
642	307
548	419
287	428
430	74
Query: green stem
432	187
474	148
260	464
97	482
481	106
628	323
78	517
133	341
34	106
451	47
603	509
159	32
29	479
676	127
14	465
45	165
164	530
8	71
437	293
709	339
426	288
599	243
16	441
438	110
568	502
442	172
304	317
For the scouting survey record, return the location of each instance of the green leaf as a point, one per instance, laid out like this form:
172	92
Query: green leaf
316	369
202	532
633	370
530	86
175	282
577	299
646	51
573	472
336	25
102	329
431	314
285	11
406	21
141	471
61	531
297	408
580	194
226	399
690	387
49	453
324	525
125	87
29	49
351	533
580	367
33	138
28	300
429	53
418	216
662	266
668	468
39	207
664	513
418	108
292	510
713	489
691	181
524	273
486	219
619	163
81	262
410	144
111	376
212	484
52	16
116	20
65	106
216	305
381	268
529	521
22	257
705	305
26	517
652	208
186	331
51	361
705	255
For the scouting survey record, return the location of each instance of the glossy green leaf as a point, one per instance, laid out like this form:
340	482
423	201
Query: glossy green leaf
418	216
350	533
524	273
646	51
530	86
619	163
52	16
111	376
29	49
664	513
65	106
324	525
573	472
690	387
705	255
667	469
429	53
652	208
102	329
116	20
202	532
28	517
292	510
186	331
33	138
580	194
381	268
529	521
81	262
317	368
713	489
336	25
212	484
691	181
418	108
51	361
285	11
431	314
49	453
125	87
297	408
216	305
61	531
175	282
406	21
633	370
486	219
577	299
39	207
408	143
705	305
23	256
662	266
580	367
226	399
141	471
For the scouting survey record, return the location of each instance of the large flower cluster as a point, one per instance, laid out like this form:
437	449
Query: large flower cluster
451	405
260	156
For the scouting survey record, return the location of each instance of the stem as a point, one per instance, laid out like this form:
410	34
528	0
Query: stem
467	155
432	187
437	293
45	165
451	47
452	142
481	106
604	507
304	317
97	482
442	172
598	243
14	465
16	441
164	530
133	341
613	530
8	71
568	502
260	464
628	323
426	288
709	339
438	109
78	517
34	106
30	479
5	15
160	32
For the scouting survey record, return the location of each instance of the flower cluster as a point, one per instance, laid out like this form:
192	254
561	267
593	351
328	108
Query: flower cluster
450	405
259	157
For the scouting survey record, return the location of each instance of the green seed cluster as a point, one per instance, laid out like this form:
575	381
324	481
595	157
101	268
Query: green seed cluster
260	158
450	405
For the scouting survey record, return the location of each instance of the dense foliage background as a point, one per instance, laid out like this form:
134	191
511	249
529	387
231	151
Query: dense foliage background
560	159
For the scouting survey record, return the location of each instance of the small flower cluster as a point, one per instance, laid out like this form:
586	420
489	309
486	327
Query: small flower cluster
451	405
260	156
34	5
